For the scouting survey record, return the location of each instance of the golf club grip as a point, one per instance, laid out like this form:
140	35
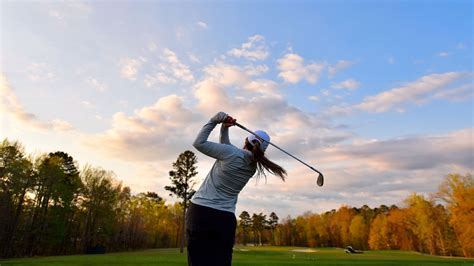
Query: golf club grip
246	129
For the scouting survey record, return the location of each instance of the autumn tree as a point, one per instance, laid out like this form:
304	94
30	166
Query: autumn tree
458	192
425	224
444	232
288	231
359	232
378	235
313	238
300	233
339	225
401	235
182	184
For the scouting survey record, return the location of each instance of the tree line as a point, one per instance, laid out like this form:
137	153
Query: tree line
442	224
48	206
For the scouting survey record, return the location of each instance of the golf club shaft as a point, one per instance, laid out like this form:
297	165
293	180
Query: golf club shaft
289	154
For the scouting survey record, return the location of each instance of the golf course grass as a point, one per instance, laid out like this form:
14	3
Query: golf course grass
252	256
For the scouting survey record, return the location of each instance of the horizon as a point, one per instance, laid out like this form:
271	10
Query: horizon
378	97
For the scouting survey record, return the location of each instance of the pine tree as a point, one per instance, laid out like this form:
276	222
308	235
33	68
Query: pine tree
245	223
258	224
272	223
182	183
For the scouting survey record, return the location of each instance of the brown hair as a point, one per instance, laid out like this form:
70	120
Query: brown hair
263	163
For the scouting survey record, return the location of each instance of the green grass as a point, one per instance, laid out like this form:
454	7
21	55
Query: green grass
251	256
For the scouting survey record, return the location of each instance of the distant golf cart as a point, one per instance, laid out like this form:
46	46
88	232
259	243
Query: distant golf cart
350	250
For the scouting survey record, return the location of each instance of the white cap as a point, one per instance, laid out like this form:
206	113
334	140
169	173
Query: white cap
263	140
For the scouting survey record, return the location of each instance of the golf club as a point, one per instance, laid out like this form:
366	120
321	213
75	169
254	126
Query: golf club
320	180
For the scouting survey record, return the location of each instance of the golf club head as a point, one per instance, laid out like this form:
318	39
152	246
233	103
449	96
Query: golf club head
320	180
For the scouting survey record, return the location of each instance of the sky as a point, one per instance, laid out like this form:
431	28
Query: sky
377	95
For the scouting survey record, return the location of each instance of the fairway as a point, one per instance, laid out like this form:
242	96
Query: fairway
252	256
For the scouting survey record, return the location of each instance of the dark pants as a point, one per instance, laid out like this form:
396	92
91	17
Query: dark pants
210	234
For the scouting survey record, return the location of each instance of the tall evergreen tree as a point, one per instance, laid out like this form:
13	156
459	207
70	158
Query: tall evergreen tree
272	223
182	183
245	223
258	224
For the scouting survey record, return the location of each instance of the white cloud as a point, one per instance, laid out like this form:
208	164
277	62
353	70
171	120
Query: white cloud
211	97
295	127
10	104
452	86
350	84
460	93
145	136
169	70
258	70
443	54
151	80
40	72
340	65
264	86
255	49
313	98
225	75
99	86
419	91
293	69
129	68
177	68
202	24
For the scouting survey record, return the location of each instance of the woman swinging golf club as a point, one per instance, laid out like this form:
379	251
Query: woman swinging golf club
210	219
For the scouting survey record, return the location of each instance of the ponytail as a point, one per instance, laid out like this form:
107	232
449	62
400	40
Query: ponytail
263	163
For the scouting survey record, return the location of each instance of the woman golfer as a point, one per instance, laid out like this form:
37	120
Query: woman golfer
210	219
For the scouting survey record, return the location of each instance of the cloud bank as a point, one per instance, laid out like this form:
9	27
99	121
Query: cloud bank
358	170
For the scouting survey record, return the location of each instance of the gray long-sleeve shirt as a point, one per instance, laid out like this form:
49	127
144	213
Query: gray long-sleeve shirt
229	174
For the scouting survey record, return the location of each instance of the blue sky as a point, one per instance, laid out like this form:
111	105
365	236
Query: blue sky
377	94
